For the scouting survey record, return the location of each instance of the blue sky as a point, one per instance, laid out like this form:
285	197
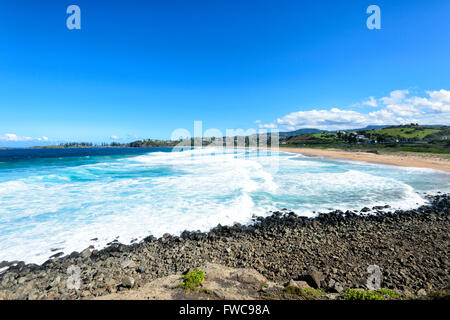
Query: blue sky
141	69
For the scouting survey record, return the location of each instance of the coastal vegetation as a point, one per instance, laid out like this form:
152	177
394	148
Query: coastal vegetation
406	138
193	279
390	293
380	294
151	143
306	292
353	294
134	144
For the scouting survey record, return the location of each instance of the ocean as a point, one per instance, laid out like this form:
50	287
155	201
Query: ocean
60	200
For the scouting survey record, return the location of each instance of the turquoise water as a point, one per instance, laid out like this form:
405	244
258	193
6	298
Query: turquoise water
61	200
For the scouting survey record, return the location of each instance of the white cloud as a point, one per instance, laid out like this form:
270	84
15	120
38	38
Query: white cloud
399	105
438	101
403	110
372	102
12	137
114	137
383	116
441	95
397	108
43	138
395	97
268	126
334	118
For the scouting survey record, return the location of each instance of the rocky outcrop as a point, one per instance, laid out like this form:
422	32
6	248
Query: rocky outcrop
221	282
331	252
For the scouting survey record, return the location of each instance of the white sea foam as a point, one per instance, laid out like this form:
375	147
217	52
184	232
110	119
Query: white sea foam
167	192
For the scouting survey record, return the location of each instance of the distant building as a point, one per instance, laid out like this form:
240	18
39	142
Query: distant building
362	137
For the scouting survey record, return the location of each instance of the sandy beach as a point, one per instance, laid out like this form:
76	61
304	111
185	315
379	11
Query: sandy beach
438	162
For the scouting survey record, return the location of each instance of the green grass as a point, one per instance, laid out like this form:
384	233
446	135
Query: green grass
327	137
380	294
407	133
307	293
314	292
353	294
293	290
390	293
407	138
192	279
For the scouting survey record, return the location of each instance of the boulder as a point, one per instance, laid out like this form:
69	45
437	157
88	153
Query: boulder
313	278
128	282
86	253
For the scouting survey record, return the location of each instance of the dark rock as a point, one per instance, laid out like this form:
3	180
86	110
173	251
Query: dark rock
141	269
56	255
313	278
280	247
4	264
74	254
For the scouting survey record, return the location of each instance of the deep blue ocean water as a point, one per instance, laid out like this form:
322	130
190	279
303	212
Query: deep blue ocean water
21	155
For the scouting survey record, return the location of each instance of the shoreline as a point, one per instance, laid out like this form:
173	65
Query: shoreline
410	246
402	159
84	147
305	151
94	245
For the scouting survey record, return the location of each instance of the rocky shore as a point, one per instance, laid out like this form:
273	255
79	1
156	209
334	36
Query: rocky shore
330	252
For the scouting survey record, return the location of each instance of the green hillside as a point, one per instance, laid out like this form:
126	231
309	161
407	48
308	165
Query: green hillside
413	138
406	132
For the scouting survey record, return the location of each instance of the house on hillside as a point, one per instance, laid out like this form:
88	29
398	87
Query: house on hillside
362	138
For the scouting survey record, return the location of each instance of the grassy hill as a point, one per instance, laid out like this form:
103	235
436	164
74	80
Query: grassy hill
408	133
413	138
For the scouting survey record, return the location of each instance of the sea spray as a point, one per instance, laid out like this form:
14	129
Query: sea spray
54	205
